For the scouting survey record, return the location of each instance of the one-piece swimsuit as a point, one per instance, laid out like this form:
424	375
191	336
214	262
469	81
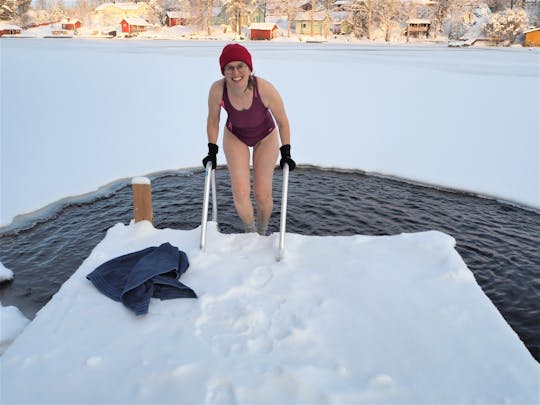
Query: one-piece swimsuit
251	125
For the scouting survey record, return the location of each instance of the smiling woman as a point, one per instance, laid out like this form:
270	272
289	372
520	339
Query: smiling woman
251	104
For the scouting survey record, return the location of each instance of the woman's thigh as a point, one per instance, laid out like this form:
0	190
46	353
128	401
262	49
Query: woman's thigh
265	155
237	155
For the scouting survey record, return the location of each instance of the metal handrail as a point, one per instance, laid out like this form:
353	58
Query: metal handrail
283	218
209	180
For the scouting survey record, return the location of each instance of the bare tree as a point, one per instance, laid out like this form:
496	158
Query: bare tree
287	8
362	12
8	9
389	13
236	11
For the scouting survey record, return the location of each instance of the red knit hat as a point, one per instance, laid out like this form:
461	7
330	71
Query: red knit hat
234	52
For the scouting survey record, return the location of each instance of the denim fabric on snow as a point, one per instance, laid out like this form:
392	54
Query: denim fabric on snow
136	277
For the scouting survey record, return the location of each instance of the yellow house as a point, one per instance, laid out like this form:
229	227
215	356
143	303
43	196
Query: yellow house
532	37
123	9
312	23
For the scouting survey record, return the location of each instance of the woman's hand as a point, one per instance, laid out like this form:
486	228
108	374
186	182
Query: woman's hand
286	157
212	155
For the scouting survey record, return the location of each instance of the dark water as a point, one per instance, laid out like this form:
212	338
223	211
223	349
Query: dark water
499	242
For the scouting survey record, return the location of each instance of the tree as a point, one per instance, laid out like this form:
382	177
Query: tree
203	10
8	9
362	18
506	25
389	14
284	7
236	11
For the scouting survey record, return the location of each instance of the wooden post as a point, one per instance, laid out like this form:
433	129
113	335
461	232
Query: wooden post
142	199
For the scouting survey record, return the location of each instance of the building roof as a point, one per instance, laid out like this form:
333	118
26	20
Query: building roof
140	22
178	14
263	26
419	21
306	16
531	30
9	27
69	20
121	6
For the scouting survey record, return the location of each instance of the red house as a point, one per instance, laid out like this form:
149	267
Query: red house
262	31
71	23
134	24
173	18
9	29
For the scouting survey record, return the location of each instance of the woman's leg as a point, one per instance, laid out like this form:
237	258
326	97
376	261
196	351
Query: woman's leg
265	155
237	154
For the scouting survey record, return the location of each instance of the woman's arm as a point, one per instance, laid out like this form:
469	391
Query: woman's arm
272	100
214	109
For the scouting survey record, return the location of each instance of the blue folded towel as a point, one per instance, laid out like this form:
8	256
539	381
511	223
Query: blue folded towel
136	277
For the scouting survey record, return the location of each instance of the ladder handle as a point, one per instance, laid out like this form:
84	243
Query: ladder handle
283	219
214	197
204	219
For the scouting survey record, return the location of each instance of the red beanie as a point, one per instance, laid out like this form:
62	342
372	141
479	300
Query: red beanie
234	52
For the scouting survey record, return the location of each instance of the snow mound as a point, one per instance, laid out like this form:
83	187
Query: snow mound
5	273
354	319
12	323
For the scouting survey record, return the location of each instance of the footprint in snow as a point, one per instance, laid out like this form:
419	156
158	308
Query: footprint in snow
261	276
220	391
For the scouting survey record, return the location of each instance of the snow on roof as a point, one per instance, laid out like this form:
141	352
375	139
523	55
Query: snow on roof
419	21
265	26
531	30
307	16
123	6
178	14
9	27
141	22
69	20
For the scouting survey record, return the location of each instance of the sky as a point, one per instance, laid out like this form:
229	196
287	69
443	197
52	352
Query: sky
356	319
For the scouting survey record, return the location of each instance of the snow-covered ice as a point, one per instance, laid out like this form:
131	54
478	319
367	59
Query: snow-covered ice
79	114
387	319
359	319
5	273
12	321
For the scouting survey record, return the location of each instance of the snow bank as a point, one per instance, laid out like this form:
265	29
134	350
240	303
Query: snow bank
12	323
392	319
5	273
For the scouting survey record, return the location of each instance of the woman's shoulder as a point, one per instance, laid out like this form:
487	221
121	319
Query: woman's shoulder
265	87
217	85
216	89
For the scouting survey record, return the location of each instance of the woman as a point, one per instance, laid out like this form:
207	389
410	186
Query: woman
251	104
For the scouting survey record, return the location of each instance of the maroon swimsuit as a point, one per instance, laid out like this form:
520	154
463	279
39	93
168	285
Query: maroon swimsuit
252	125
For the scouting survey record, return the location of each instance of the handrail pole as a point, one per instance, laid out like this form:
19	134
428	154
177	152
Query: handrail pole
206	198
283	219
214	197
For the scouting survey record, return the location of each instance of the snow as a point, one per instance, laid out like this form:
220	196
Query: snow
140	180
458	118
12	321
357	319
5	273
401	320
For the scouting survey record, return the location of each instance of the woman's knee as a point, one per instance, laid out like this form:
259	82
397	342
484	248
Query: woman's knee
263	197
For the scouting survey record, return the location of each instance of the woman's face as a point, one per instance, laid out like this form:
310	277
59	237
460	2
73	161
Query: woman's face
237	72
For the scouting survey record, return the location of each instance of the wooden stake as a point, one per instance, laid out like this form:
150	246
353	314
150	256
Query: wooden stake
142	199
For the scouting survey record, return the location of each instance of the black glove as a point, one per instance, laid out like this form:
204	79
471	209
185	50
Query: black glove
212	152
286	157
